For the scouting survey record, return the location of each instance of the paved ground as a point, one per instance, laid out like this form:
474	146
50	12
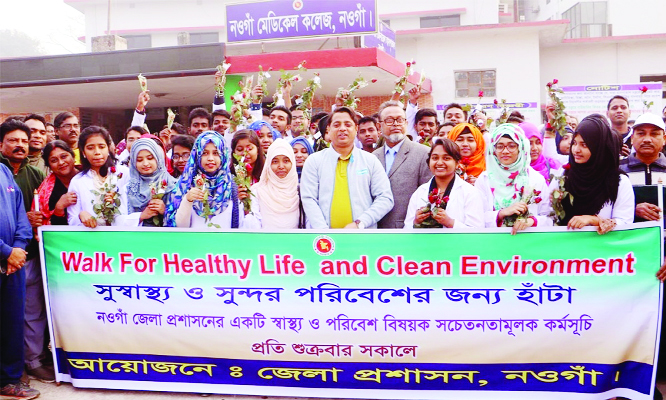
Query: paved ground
66	391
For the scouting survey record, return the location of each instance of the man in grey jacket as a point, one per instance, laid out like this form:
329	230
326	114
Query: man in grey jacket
344	186
404	161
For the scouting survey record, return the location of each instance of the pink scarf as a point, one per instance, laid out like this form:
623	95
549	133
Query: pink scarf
278	198
543	164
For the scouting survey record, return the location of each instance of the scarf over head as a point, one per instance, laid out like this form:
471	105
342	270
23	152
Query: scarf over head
303	142
477	161
595	182
219	183
139	186
506	181
558	138
543	164
257	125
278	197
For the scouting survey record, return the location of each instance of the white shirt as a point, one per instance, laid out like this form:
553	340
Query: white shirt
540	211
622	211
83	183
465	205
550	151
185	218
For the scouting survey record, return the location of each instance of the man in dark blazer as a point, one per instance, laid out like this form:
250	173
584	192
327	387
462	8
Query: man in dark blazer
405	162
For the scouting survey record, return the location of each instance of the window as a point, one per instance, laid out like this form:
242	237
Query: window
387	22
440	20
138	41
204	37
469	83
587	19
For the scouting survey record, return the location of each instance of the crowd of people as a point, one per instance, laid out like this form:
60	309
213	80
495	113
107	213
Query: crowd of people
283	168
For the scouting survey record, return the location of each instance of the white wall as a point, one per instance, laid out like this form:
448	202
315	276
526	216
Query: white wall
637	17
518	76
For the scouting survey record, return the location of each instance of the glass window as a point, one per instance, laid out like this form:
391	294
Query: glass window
600	8
204	37
440	21
469	83
138	41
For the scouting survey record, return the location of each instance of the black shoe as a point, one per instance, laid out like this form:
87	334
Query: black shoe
42	373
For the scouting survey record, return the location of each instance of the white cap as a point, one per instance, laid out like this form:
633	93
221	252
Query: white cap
650	119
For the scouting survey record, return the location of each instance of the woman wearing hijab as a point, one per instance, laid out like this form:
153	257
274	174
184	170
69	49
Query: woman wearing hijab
472	150
205	195
302	150
266	133
275	199
603	196
160	142
514	194
541	164
460	204
149	185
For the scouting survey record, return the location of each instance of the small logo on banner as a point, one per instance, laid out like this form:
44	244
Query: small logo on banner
324	245
298	5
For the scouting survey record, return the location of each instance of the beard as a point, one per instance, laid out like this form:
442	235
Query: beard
395	137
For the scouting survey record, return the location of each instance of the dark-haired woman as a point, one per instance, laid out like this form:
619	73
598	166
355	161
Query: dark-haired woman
602	195
100	182
460	202
246	146
53	195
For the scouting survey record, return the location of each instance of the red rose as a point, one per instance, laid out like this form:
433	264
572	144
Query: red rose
495	101
566	166
537	192
480	93
445	200
164	182
549	84
120	175
413	62
248	168
522	190
514	195
113	169
409	64
432	198
555	81
537	200
644	89
374	81
244	95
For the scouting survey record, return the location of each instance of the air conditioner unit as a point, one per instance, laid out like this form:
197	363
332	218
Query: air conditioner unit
503	8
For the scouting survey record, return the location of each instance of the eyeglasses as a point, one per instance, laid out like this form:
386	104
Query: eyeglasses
70	126
393	121
511	147
177	157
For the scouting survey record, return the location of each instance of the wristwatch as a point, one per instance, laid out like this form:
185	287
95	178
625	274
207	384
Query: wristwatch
360	224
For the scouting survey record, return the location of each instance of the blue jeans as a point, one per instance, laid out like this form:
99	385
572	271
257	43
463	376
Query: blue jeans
12	317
